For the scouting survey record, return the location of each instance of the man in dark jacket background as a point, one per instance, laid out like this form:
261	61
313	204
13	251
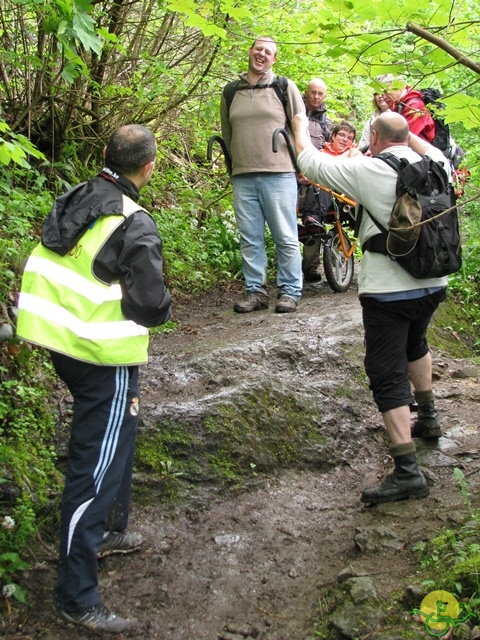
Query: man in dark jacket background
90	290
320	128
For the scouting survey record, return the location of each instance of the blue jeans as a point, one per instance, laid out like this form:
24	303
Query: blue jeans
268	198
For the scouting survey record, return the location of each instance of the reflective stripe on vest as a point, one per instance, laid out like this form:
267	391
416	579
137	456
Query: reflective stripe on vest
64	307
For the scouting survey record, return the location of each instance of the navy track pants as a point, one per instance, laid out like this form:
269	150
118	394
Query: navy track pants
98	481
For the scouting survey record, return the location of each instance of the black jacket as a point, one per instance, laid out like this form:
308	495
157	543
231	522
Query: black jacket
320	126
133	253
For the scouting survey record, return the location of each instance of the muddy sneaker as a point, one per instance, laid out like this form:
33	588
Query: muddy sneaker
253	302
119	542
98	618
285	304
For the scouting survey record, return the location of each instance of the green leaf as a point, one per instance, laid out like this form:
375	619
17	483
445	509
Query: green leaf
5	154
83	29
70	73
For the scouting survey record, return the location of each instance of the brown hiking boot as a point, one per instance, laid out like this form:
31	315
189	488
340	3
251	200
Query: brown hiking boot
254	301
285	304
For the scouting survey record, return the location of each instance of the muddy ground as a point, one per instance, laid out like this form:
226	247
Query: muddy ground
260	562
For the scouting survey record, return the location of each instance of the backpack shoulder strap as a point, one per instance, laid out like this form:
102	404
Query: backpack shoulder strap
280	86
395	163
229	91
377	243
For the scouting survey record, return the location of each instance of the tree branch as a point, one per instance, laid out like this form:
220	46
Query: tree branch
444	45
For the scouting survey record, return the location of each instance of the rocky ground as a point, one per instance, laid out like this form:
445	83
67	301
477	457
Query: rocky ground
292	554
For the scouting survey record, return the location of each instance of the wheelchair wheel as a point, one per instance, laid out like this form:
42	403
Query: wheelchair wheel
338	269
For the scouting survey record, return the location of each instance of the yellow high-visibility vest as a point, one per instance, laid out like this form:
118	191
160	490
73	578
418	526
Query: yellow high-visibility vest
64	307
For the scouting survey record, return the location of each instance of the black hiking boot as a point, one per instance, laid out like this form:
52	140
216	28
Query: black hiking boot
426	425
407	481
312	275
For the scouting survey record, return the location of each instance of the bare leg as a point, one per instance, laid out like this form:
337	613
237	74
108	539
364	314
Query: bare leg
420	372
397	423
426	424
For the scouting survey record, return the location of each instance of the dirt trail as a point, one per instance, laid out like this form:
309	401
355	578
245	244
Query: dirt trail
256	564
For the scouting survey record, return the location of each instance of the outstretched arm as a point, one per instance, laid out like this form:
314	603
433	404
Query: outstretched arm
418	144
300	133
425	148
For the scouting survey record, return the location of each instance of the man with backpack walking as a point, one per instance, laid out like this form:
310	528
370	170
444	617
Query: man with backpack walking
396	306
264	183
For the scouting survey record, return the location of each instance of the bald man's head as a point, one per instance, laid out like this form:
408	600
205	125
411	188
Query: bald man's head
388	129
315	93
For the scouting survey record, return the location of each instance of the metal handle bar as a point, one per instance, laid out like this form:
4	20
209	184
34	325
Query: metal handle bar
221	142
276	133
290	148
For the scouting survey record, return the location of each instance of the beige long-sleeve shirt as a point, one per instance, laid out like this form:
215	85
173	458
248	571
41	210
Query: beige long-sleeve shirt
248	128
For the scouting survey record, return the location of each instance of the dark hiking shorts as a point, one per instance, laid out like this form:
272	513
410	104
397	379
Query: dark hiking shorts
395	334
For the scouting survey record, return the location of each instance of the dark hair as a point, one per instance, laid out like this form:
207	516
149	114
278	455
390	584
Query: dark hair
344	126
130	148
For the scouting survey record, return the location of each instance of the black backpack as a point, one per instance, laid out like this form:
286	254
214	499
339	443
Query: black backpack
431	97
279	85
438	251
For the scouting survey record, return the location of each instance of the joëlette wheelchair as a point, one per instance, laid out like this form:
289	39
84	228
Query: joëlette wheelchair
330	232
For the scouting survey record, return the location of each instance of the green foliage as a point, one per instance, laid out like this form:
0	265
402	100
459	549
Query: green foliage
27	457
452	558
20	216
15	148
10	564
197	255
465	285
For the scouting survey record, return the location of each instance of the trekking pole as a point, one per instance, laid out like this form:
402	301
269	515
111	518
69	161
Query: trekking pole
293	158
221	142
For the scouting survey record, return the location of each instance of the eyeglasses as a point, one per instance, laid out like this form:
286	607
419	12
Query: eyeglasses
345	136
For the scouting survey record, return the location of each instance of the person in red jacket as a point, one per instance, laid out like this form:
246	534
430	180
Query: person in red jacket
406	100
